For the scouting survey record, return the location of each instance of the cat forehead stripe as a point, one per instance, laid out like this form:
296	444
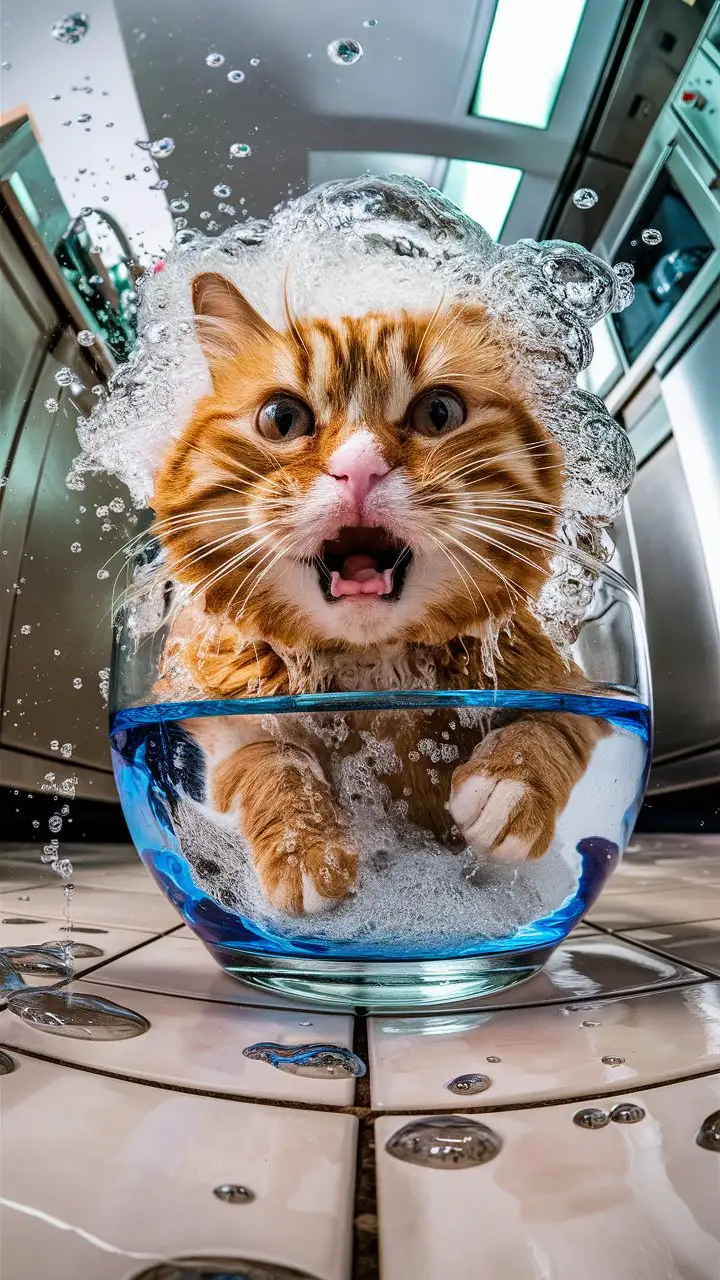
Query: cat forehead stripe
363	368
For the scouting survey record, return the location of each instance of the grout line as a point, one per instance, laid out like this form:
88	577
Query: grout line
701	970
361	1113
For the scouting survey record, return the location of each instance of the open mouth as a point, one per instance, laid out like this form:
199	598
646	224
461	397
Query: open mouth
363	562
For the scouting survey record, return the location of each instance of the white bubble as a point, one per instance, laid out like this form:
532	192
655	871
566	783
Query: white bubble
254	62
236	77
179	206
55	823
51	405
651	236
161	148
86	338
25	629
214	60
241	150
344	52
102	574
54	745
161	184
624	270
222	190
75	547
117	505
64	377
66	750
370	22
70	29
585	198
77	683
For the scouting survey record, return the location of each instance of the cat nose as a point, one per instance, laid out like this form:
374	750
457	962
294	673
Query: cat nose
358	465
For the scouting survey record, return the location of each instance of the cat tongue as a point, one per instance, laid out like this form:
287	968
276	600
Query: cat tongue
360	577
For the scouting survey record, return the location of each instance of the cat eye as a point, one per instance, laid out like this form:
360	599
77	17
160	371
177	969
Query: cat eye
436	412
285	418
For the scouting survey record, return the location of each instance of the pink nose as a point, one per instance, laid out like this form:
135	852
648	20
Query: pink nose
358	465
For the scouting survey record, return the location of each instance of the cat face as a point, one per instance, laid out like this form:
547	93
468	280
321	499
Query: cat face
357	482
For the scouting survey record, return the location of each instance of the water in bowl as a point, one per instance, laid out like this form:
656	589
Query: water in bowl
430	919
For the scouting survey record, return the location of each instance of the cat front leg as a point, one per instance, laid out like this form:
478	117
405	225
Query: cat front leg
302	853
506	799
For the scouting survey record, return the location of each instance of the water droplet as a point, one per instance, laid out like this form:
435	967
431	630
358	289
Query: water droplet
344	52
214	60
78	950
55	823
627	1113
71	29
160	185
589	1023
179	206
585	198
64	376
75	547
64	868
7	1064
591	1118
233	1193
236	77
81	928
85	118
5	65
25	629
612	1062
63	1013
20	920
445	1142
624	270
222	191
370	22
161	148
491	1058
708	1135
316	1061
651	236
472	1083
66	750
86	338
51	405
241	150
77	683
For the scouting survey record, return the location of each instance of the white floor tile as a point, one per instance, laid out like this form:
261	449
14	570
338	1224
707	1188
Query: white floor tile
548	1052
194	1044
111	941
697	943
133	1168
148	912
626	1202
676	904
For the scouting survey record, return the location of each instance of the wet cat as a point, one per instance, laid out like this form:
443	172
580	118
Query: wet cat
364	503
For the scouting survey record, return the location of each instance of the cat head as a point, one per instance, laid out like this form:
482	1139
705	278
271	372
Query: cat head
357	482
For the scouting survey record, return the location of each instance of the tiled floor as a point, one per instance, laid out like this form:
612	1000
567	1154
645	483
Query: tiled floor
136	1133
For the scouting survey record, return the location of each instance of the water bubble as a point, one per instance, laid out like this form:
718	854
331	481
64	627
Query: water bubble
445	1142
214	60
233	1193
591	1118
585	198
627	1113
117	504
241	150
66	750
85	118
344	52
612	1062
179	206
75	547
222	191
102	574
63	1013
492	1058
95	280
20	920
78	950
25	629
54	746
370	22
55	823
64	376
51	405
589	1023
63	867
473	1083
86	338
316	1061
7	1064
624	270
651	236
708	1135
236	77
5	65
160	185
77	683
65	811
71	29
161	148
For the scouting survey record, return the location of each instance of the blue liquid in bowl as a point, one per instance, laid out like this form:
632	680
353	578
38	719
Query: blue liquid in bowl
413	901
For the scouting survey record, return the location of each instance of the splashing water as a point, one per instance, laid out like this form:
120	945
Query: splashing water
445	1142
316	1061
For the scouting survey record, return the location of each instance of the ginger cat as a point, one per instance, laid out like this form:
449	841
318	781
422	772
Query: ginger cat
364	503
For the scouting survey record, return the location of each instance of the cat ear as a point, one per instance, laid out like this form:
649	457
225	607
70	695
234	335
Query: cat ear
224	319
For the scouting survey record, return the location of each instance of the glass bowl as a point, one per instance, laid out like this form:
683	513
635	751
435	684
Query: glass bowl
434	845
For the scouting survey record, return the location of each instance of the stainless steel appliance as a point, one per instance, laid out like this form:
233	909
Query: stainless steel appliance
658	366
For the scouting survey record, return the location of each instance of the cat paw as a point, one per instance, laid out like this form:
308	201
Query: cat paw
310	881
500	805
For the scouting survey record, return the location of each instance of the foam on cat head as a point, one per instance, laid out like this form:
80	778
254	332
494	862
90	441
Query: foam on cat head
349	247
